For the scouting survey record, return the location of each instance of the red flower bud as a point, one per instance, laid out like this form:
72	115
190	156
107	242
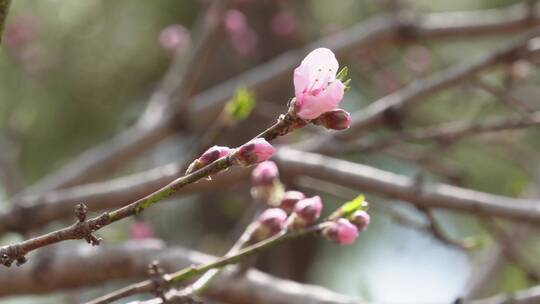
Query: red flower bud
289	200
341	231
337	119
253	152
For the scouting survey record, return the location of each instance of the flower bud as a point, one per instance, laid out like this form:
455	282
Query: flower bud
212	154
289	200
360	219
264	174
340	231
337	119
253	152
269	223
306	212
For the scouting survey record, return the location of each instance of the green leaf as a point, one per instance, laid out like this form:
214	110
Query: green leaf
240	105
350	207
347	84
342	75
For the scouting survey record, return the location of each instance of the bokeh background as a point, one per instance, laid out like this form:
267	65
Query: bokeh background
75	73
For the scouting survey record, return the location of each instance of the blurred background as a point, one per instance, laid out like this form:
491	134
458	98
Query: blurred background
73	74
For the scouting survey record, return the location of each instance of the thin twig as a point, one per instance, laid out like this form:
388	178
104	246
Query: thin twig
190	272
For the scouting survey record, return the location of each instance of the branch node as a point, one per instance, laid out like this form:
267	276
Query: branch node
13	253
83	229
156	274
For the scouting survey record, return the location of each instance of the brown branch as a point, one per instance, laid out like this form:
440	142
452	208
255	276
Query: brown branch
34	211
388	108
377	31
437	231
368	179
80	266
504	96
445	133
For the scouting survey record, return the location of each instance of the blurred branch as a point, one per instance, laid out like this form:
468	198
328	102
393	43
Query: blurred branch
505	96
446	133
388	109
78	266
10	174
511	250
4	9
527	296
437	231
296	163
34	211
192	271
432	227
374	32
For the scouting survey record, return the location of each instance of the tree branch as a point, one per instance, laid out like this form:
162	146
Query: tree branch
84	229
375	32
79	266
295	163
388	108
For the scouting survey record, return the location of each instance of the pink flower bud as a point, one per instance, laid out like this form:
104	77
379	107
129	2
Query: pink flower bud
265	173
306	212
175	38
289	200
141	230
284	24
269	223
209	156
337	119
315	85
253	152
234	21
360	219
341	231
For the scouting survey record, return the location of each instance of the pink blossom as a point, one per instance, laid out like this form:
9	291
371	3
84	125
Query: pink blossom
209	156
265	173
175	38
341	231
255	151
284	24
360	219
234	21
315	85
309	209
337	119
141	230
289	200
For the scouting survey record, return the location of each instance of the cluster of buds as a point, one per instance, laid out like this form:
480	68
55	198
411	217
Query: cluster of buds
346	223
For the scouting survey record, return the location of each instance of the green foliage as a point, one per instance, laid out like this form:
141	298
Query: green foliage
240	105
350	207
